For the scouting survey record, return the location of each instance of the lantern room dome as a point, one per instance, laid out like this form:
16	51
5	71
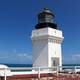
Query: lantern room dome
46	19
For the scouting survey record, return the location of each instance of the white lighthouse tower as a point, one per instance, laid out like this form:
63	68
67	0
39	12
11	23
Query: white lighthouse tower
46	41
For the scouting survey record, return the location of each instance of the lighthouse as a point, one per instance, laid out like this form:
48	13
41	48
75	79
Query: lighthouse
46	41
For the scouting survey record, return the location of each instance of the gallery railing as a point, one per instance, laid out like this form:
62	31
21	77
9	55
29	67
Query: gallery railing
39	70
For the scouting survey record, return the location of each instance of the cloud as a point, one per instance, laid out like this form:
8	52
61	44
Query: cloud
24	55
16	58
73	58
14	50
16	54
22	58
4	57
76	57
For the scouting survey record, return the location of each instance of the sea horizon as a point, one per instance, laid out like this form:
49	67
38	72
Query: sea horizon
30	65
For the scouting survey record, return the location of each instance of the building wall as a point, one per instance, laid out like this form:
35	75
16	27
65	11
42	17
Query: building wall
46	44
40	53
54	52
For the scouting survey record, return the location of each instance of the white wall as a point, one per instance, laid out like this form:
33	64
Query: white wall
54	51
40	53
46	44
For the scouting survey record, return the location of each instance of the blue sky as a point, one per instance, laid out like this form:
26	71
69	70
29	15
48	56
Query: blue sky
18	18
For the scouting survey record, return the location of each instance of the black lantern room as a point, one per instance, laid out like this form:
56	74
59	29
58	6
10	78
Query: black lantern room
46	19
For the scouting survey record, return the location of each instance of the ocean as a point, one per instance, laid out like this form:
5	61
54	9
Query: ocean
65	66
30	65
19	65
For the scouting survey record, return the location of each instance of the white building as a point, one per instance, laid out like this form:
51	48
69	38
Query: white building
46	41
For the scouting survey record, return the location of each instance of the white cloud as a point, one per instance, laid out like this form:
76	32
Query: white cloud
4	57
14	50
20	55
16	58
76	57
73	58
22	58
17	55
24	55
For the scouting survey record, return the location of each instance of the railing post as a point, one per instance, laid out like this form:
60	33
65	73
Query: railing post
5	74
75	69
39	73
57	69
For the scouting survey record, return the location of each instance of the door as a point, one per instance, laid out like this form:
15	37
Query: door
54	61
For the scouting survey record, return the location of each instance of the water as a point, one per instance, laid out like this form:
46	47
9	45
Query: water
19	65
71	64
30	65
65	66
